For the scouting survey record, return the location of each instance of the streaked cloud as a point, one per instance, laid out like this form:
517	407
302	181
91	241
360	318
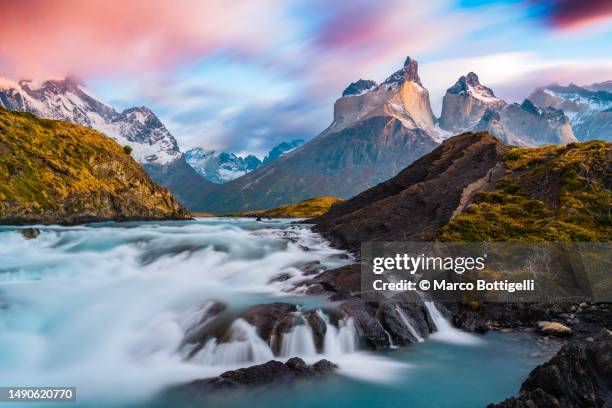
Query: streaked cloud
245	74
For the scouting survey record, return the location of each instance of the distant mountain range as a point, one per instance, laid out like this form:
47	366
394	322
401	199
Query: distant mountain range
588	107
470	106
221	167
377	130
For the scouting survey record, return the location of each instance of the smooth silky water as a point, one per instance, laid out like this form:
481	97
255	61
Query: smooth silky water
105	307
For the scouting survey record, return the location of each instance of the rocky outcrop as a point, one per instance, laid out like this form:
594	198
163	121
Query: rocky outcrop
30	233
359	87
271	319
578	376
583	321
57	172
465	103
413	205
527	125
271	373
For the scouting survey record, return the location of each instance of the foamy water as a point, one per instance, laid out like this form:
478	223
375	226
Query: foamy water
105	308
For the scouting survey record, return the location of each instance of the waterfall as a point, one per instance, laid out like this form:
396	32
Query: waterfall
299	341
391	345
244	346
445	331
341	340
408	324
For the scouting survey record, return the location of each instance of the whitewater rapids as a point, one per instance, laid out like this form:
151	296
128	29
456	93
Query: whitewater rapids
104	307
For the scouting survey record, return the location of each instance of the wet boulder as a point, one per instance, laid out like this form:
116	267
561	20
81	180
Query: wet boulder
271	319
318	327
271	373
345	280
399	318
370	332
30	233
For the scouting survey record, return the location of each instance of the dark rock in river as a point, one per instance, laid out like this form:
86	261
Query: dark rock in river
318	327
272	320
391	316
578	376
345	280
271	373
30	233
369	330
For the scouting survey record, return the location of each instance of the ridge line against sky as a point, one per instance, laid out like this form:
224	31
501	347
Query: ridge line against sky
245	75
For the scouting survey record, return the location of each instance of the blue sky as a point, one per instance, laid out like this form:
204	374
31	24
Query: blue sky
246	75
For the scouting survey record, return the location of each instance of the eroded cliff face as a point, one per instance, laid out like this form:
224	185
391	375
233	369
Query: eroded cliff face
57	172
402	96
465	102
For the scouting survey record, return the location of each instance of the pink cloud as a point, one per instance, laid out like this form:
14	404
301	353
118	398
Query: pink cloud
39	37
570	14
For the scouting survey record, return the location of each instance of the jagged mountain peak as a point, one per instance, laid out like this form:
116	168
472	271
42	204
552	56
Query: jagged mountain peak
470	85
401	96
465	103
408	73
472	79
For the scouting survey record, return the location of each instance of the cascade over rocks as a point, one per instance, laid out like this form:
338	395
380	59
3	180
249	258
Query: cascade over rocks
271	318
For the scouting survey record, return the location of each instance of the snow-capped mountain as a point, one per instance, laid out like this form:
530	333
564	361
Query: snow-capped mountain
67	99
470	106
221	167
378	129
401	96
527	125
588	107
281	149
465	102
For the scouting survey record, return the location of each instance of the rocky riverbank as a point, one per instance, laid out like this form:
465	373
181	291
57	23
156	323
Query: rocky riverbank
578	376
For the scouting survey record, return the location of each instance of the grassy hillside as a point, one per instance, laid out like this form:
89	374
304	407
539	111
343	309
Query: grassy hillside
304	209
552	193
57	172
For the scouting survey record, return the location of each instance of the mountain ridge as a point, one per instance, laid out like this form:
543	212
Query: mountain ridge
57	172
153	146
